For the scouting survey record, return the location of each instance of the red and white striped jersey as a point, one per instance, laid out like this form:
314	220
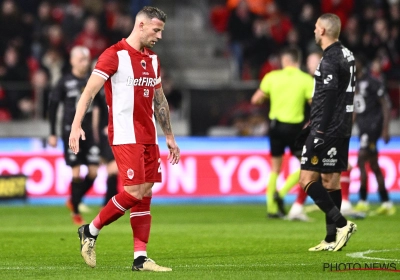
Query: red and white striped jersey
131	79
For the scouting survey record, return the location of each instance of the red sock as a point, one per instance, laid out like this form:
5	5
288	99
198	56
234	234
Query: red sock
114	209
301	196
141	223
345	184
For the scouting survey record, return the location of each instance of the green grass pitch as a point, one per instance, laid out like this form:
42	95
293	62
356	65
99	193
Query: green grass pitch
197	241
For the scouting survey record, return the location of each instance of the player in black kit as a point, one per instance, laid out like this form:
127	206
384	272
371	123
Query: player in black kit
326	147
68	91
371	105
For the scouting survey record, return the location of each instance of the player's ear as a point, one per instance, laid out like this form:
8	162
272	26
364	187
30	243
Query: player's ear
141	24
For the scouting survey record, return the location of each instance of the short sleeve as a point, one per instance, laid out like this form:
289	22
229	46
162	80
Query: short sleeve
329	69
157	70
265	84
107	64
309	87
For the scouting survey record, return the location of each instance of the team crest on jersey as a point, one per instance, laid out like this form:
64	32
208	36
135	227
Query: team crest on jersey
130	173
143	63
314	160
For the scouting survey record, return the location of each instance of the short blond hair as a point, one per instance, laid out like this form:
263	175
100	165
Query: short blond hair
332	25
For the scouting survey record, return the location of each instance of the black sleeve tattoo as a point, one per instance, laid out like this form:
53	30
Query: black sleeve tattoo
161	111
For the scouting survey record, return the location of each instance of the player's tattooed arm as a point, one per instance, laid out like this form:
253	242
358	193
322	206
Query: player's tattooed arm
161	111
87	106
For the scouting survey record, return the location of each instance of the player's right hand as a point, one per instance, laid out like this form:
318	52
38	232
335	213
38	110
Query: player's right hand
75	135
174	151
385	136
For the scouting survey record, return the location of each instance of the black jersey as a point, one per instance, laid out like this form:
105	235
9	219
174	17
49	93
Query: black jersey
336	71
103	109
68	91
369	91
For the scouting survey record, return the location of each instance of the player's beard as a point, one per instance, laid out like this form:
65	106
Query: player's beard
318	41
149	44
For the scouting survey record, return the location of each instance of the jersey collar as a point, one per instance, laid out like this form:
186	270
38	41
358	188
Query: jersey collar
337	43
133	50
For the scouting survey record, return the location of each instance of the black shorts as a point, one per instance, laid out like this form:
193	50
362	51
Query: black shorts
105	149
368	139
332	158
282	135
89	152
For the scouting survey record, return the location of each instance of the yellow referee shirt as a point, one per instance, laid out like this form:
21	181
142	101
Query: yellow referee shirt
288	89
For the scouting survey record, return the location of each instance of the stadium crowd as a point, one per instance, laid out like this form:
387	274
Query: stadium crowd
37	35
258	29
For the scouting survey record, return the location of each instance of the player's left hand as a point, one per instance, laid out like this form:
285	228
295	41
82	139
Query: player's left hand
174	151
302	137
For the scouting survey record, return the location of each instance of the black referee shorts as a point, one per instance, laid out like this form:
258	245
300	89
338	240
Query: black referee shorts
331	159
282	135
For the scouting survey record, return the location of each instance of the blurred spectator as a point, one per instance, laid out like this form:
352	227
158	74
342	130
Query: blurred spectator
259	52
121	28
258	7
240	32
91	38
41	28
219	16
14	78
72	23
173	95
55	63
351	35
272	63
278	23
93	7
341	8
41	89
305	25
11	26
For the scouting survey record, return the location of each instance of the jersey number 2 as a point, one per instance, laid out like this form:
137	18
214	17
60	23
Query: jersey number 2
352	83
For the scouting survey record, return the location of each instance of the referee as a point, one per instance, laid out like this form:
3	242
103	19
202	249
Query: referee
288	90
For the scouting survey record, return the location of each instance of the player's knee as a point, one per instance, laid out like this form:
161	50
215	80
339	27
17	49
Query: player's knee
303	182
375	167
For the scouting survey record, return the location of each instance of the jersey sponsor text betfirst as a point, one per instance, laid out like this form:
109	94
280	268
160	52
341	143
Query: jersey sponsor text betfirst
131	79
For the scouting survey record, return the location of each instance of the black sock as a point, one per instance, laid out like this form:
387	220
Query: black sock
336	197
86	185
363	193
111	188
86	231
323	200
76	186
383	194
139	260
